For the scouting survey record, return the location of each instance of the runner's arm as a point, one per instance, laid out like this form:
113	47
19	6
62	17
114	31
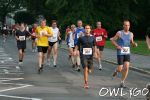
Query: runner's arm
50	32
78	44
134	44
148	42
105	34
16	36
114	39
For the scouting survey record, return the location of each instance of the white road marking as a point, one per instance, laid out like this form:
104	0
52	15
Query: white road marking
15	88
17	67
2	61
4	67
6	71
17	97
10	89
11	79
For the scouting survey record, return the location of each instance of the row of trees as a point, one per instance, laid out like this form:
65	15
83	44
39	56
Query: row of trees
110	12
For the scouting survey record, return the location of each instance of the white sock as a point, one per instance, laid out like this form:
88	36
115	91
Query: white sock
73	59
78	60
99	61
122	81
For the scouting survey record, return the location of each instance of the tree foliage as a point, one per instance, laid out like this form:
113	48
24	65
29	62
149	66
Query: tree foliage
110	12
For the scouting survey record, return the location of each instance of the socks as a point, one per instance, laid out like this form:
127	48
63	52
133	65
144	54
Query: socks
78	60
73	60
122	81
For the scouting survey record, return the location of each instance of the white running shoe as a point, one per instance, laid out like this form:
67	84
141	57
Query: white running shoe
20	63
100	67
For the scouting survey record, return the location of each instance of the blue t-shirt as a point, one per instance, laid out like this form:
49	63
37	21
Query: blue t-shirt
124	41
79	32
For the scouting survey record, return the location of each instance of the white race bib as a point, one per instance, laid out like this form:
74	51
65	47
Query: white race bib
43	32
79	34
87	51
22	38
53	37
98	38
125	50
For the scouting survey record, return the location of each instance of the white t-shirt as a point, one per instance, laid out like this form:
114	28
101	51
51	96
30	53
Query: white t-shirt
54	38
71	40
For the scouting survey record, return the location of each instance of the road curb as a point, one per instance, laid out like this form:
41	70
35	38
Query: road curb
131	67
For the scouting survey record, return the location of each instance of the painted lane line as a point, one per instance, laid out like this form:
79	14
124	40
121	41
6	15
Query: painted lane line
11	73
17	67
11	79
17	97
2	62
6	71
15	88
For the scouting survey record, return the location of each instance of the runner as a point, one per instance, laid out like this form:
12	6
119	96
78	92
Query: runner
42	34
87	47
53	44
5	33
21	36
100	35
34	37
122	41
66	36
78	33
71	44
148	38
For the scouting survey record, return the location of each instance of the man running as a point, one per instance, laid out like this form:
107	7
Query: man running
87	47
33	37
122	41
100	35
5	33
53	44
42	34
148	38
71	44
21	36
78	33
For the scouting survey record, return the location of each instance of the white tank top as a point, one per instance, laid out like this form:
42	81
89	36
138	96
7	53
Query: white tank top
71	40
54	38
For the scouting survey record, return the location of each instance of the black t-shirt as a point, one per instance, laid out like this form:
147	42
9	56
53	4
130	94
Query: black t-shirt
86	42
22	35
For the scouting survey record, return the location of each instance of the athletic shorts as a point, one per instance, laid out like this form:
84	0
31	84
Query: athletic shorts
87	62
33	39
21	46
42	49
51	44
123	58
101	48
23	49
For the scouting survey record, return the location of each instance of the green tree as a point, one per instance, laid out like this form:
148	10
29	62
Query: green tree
9	6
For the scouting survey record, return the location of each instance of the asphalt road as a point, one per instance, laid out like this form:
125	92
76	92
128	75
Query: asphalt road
61	83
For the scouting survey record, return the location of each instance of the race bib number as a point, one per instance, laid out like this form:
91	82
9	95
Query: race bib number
87	51
43	32
79	34
125	50
98	38
21	38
